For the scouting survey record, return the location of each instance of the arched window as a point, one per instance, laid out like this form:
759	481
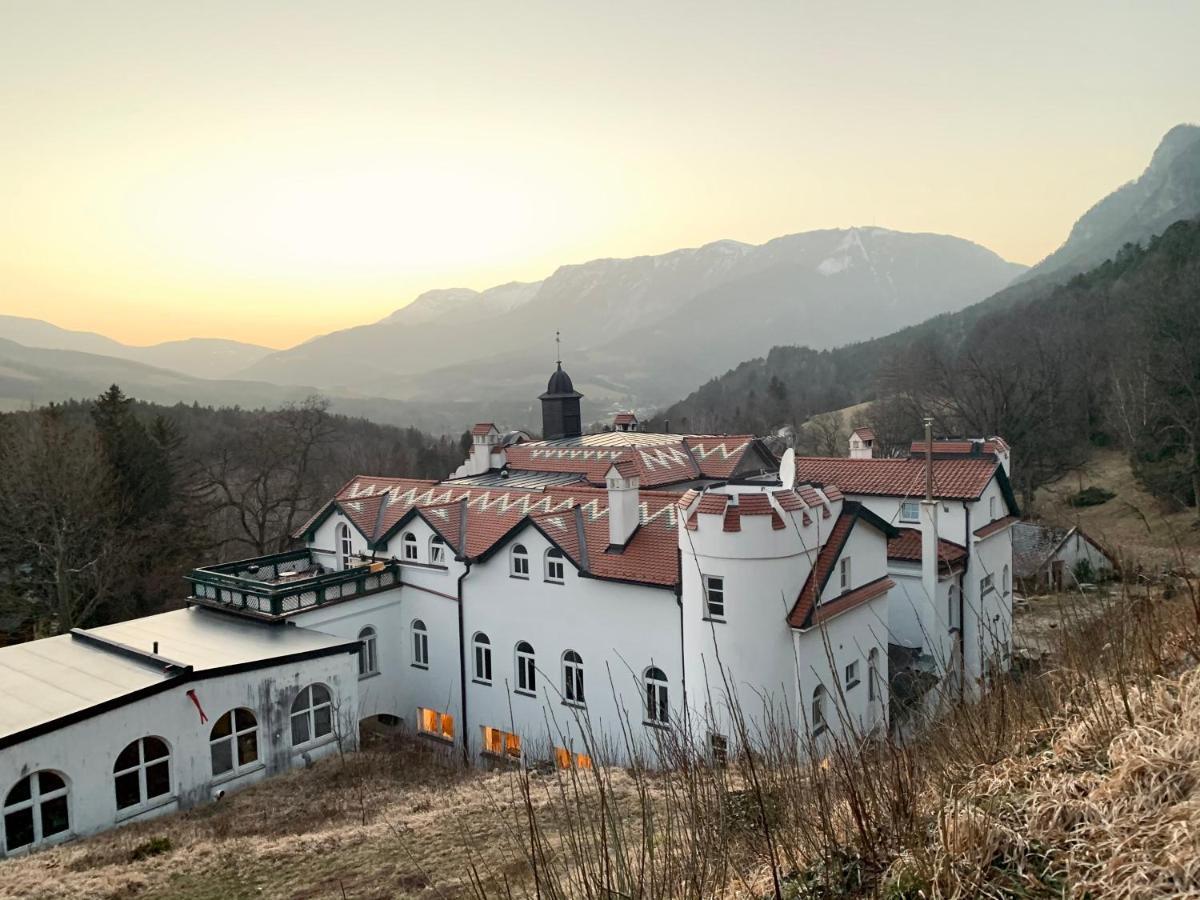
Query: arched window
312	715
233	741
34	810
819	724
142	772
1006	580
437	550
420	641
345	548
368	652
526	676
519	562
873	675
573	678
952	611
554	565
483	657
658	707
409	543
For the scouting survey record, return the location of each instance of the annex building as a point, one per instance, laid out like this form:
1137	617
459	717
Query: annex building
577	598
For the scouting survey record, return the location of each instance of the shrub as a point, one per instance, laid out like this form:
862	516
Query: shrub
1092	496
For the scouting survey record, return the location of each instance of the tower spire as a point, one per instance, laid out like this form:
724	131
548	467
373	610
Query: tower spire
558	349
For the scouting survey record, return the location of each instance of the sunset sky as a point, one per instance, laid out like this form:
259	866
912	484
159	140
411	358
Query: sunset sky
271	171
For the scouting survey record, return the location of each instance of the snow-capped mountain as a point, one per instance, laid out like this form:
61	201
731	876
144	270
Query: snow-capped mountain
642	329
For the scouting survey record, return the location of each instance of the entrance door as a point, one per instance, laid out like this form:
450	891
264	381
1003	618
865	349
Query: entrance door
1056	574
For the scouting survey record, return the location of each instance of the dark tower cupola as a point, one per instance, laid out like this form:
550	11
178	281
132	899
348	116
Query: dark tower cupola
560	407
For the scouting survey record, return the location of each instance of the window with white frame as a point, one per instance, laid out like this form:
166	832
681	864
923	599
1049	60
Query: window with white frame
1006	580
368	652
658	707
554	565
483	657
519	562
526	673
409	543
991	507
910	511
819	723
497	742
312	715
954	612
437	550
435	723
345	547
420	645
852	675
844	573
573	678
987	583
35	810
233	741
142	773
714	597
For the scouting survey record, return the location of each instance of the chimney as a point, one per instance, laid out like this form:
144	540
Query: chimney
929	530
483	438
624	505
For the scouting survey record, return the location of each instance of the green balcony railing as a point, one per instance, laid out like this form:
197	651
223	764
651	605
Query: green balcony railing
286	583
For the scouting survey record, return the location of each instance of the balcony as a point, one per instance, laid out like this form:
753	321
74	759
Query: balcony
270	587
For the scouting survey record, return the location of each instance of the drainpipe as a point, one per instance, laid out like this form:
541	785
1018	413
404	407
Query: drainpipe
962	601
929	543
462	664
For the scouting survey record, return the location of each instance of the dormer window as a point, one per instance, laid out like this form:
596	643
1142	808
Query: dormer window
409	543
345	548
554	565
437	551
519	562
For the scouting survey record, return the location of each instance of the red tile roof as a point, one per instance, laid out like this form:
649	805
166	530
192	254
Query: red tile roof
624	418
483	428
907	548
851	599
713	504
864	434
991	446
787	500
821	570
996	526
953	479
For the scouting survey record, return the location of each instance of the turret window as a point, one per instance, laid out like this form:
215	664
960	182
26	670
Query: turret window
714	597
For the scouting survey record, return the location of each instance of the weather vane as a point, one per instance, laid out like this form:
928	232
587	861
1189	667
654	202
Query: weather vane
558	349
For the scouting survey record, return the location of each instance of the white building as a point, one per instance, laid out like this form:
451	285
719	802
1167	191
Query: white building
574	598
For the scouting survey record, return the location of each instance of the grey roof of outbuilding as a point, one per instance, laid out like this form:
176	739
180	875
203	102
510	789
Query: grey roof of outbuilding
1032	546
65	676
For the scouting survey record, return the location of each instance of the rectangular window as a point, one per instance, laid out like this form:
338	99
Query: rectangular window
714	597
501	743
844	571
718	749
910	511
437	552
421	649
435	724
564	759
985	585
852	674
991	507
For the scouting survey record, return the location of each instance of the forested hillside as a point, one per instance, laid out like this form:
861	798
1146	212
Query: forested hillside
105	504
1110	358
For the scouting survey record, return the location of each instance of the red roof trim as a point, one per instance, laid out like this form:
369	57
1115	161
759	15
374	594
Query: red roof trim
857	597
995	527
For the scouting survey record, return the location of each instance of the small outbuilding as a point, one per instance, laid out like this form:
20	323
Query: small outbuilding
1046	558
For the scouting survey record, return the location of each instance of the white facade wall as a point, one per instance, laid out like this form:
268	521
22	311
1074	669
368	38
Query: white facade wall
84	753
987	614
618	629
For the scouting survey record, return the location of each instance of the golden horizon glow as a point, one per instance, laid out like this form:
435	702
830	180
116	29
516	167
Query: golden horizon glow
268	172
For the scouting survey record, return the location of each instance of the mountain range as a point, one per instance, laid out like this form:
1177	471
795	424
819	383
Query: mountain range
636	332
